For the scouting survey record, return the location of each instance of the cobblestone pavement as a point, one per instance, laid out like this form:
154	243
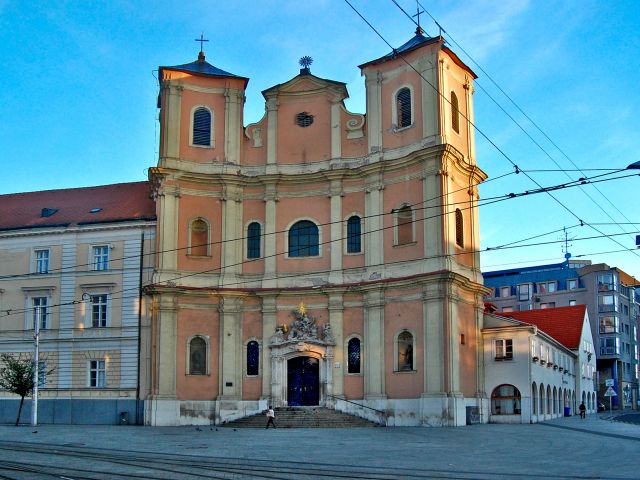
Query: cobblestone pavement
564	448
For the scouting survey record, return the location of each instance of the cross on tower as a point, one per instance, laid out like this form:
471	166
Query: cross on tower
418	12
201	40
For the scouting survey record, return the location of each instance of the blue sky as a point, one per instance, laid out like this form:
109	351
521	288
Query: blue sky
78	96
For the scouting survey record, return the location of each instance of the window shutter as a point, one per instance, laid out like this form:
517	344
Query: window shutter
202	127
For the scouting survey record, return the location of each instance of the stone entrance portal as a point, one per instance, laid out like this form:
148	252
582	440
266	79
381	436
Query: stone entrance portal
303	381
301	361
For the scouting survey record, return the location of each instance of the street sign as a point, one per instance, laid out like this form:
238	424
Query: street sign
609	382
610	392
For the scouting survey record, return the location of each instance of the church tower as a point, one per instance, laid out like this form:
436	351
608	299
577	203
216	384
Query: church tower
319	256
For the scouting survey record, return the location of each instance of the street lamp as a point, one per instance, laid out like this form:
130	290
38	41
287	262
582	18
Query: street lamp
634	166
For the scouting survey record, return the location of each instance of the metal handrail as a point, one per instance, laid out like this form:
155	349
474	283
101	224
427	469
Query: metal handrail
381	412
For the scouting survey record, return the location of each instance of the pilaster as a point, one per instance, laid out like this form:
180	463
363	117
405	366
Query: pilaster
232	124
336	229
336	130
270	258
231	236
230	348
373	225
374	384
272	130
374	111
166	318
269	312
336	307
171	127
167	231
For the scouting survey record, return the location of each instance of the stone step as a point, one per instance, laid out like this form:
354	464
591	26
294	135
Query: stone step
304	417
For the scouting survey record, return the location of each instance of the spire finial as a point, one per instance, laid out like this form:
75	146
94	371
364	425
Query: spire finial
419	30
201	40
305	62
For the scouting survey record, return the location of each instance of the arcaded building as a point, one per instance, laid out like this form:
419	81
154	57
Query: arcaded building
318	255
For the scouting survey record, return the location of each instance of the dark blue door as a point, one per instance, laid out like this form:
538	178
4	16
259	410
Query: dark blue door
303	381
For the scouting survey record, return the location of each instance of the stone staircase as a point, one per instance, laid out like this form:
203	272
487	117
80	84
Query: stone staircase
304	417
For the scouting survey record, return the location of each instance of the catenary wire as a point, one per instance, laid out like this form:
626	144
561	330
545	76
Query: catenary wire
480	131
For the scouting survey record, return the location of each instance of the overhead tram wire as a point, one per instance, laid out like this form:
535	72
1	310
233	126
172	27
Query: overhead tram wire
297	274
192	274
527	117
478	129
72	268
481	203
487	201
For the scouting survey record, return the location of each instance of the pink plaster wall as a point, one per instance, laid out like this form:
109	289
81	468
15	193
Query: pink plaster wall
400	316
468	351
353	324
197	322
210	209
309	144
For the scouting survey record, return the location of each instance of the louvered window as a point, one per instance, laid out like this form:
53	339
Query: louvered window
455	113
202	127
403	106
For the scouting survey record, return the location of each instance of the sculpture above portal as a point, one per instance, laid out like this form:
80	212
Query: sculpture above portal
303	328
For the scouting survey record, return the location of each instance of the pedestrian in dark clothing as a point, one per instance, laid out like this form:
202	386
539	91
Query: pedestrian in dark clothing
583	410
271	416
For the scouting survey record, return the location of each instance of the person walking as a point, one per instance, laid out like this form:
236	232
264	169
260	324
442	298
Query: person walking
583	410
271	416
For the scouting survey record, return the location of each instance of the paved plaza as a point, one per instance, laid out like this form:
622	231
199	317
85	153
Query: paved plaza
564	448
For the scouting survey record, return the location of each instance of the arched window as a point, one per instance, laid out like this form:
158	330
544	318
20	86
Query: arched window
505	400
253	358
199	238
253	240
303	239
197	356
353	356
202	127
455	113
354	235
549	400
403	108
404	225
542	409
459	229
405	352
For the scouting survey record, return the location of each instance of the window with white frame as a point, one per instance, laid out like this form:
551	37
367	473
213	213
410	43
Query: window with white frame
503	348
546	287
507	309
403	108
198	356
403	227
42	261
97	373
548	305
40	311
201	134
534	348
101	257
99	310
572	303
524	292
404	345
572	284
505	292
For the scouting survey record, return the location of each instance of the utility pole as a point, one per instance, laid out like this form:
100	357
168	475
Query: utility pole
36	356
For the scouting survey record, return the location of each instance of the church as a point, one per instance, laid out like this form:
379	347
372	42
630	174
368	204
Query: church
318	256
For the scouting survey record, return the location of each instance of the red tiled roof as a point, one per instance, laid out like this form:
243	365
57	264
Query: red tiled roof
562	323
68	207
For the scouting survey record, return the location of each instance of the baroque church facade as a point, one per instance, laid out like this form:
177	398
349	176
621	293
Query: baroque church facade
319	256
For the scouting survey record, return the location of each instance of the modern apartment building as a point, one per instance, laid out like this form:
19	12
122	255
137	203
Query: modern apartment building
612	298
72	262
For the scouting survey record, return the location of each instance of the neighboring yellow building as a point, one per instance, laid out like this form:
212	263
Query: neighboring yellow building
318	255
72	260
